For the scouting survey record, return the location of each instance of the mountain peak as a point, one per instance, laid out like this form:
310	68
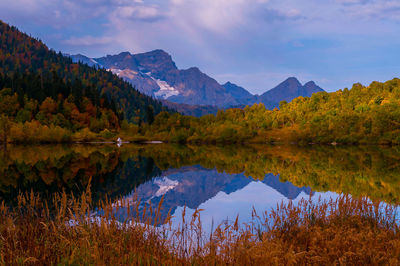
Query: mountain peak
239	93
310	83
291	80
158	61
158	53
193	69
124	54
311	87
288	90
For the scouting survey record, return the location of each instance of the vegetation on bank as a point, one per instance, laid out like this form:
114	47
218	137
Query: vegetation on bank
45	97
360	115
344	231
63	116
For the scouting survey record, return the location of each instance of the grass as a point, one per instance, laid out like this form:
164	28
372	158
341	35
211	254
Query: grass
342	231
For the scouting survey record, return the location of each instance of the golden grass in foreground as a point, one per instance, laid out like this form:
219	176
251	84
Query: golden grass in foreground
343	231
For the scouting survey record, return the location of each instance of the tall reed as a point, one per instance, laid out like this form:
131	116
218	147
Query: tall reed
72	231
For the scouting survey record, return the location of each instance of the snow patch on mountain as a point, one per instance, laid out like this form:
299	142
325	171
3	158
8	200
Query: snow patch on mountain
115	71
95	62
166	90
165	185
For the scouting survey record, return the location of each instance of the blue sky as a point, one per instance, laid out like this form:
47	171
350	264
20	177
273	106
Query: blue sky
253	43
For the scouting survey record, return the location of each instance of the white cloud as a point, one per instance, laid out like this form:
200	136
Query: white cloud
214	15
375	10
224	16
351	2
139	12
88	41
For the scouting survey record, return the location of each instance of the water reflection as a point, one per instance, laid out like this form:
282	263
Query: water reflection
225	181
193	186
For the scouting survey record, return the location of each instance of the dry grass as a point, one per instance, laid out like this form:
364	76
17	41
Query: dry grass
343	231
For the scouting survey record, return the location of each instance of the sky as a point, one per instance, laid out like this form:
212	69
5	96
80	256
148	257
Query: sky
254	43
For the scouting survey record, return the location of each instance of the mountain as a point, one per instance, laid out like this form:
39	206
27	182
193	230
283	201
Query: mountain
286	91
155	74
43	73
236	91
241	95
190	91
85	60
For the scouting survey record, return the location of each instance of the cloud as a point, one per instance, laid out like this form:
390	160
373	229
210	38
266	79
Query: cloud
55	13
139	12
213	15
371	9
352	2
223	16
88	41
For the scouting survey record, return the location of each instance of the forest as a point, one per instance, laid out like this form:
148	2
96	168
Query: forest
360	115
45	97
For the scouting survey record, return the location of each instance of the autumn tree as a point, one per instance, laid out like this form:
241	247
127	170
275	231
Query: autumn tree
4	129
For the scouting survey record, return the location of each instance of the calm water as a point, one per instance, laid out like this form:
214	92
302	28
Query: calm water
224	181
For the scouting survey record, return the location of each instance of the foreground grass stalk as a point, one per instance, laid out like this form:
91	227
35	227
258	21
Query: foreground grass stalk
342	231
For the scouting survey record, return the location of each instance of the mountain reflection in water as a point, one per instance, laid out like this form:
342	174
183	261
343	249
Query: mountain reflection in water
194	185
225	181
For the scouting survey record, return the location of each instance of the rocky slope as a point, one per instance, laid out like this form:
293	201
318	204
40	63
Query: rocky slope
154	73
286	91
190	91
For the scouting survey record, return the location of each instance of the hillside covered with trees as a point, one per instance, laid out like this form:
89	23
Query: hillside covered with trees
44	93
363	114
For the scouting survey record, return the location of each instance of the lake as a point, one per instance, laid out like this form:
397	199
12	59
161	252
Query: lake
224	181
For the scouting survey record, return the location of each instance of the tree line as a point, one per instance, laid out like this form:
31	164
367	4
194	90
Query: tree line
360	115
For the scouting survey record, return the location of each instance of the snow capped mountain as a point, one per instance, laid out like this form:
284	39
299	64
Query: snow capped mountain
155	74
142	70
189	90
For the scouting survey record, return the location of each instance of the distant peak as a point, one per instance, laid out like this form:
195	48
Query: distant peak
292	79
125	54
236	91
231	85
158	52
196	69
310	83
76	55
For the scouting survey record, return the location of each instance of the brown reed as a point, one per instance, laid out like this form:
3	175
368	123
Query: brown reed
344	231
